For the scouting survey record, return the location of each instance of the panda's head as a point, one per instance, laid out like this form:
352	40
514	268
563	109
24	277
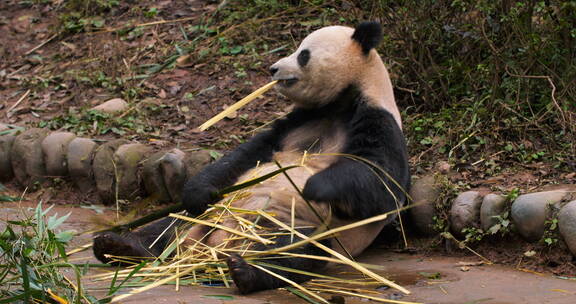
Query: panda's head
328	61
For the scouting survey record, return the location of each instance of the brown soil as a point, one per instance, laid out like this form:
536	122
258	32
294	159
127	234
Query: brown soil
69	57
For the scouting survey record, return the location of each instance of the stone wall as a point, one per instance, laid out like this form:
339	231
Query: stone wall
117	169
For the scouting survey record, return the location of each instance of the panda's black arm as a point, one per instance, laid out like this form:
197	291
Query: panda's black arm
199	190
358	190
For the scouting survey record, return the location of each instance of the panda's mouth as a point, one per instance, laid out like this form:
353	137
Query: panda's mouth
287	82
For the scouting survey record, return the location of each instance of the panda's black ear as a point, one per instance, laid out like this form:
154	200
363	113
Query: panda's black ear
368	34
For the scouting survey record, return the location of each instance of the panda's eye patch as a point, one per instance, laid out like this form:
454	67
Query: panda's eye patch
303	58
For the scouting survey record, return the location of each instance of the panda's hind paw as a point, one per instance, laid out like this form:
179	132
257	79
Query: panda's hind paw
109	244
242	273
246	277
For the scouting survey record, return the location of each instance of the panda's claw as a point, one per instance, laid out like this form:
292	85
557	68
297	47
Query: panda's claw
245	276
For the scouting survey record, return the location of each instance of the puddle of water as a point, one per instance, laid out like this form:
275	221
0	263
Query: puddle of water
404	278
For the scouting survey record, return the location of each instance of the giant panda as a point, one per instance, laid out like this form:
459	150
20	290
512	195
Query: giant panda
346	133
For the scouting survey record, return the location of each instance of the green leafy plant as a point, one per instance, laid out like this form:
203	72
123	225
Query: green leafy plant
472	235
151	12
227	49
503	227
31	255
440	223
551	236
96	122
443	202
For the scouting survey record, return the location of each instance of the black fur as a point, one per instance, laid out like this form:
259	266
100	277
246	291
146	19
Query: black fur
356	189
303	58
136	244
368	34
199	191
249	279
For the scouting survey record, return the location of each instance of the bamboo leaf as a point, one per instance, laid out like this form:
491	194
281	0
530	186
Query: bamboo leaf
219	297
114	289
254	181
301	295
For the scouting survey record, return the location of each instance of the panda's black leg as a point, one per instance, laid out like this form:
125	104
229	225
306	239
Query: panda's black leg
137	244
250	279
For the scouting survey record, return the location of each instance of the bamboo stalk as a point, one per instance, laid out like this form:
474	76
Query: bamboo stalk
221	227
315	296
244	101
19	101
224	279
332	231
340	256
152	285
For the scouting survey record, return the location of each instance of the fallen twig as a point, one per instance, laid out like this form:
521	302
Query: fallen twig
41	44
19	101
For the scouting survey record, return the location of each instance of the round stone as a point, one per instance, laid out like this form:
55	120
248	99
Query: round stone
54	148
492	206
174	172
465	211
112	106
6	142
424	192
79	158
27	159
530	211
196	161
128	158
104	170
153	178
567	225
443	167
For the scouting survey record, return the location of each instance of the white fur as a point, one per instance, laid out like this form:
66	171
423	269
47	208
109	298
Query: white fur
336	61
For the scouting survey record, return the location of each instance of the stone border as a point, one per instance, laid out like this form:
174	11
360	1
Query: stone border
116	170
486	212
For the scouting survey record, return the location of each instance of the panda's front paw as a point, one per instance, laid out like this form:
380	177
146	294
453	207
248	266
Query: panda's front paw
196	197
319	189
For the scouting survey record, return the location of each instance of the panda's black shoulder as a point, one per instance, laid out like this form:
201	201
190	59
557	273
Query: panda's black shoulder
376	126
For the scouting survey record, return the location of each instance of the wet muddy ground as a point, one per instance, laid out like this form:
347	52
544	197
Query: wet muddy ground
431	278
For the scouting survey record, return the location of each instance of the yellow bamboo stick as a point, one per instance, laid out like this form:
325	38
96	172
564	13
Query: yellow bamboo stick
218	226
340	256
317	297
219	268
153	285
244	101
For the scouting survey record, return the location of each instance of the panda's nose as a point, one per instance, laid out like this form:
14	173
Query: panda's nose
273	70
